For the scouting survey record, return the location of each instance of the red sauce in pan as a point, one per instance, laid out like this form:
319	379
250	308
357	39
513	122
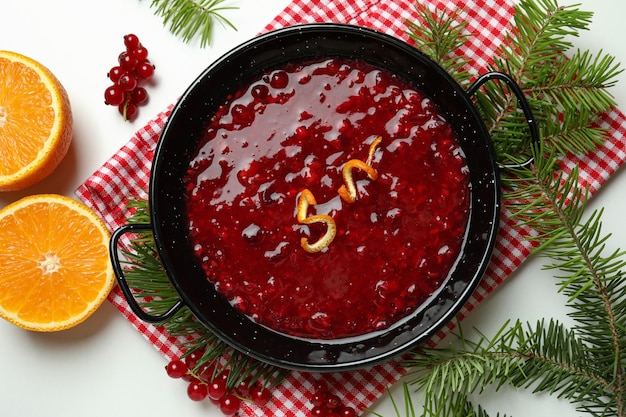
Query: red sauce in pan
294	129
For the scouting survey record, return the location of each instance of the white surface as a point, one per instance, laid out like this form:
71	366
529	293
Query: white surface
104	367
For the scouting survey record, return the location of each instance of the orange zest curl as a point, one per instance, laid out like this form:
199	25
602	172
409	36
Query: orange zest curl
305	200
373	146
348	190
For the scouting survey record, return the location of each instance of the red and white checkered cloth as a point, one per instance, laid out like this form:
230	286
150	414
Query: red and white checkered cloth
126	175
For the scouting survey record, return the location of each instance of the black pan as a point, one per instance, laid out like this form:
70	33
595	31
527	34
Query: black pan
185	127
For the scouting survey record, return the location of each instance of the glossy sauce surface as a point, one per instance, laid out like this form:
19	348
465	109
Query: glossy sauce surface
294	129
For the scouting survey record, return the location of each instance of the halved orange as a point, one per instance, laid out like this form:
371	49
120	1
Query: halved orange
55	269
35	121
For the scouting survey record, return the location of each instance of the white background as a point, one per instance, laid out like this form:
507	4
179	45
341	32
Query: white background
104	367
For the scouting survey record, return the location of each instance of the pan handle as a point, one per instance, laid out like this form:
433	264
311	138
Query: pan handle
121	278
523	103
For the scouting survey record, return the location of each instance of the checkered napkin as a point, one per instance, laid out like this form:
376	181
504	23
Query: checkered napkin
126	175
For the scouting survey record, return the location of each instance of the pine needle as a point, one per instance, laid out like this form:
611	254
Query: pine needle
192	18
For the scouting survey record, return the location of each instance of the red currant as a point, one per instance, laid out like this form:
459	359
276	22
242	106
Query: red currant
176	369
144	70
318	399
259	395
347	411
126	93
243	388
128	110
115	73
320	387
127	82
230	404
217	389
197	391
139	95
127	61
131	41
140	53
192	358
333	402
114	95
318	411
206	371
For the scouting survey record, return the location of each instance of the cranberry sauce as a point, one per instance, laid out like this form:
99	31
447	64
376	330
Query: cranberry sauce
294	129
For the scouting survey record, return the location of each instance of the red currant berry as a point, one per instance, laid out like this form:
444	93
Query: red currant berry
217	389
320	387
128	110
141	53
230	404
347	411
197	391
318	399
318	411
333	402
243	388
144	70
176	369
114	95
133	67
192	358
207	370
139	95
259	395
115	73
131	41
127	61
127	82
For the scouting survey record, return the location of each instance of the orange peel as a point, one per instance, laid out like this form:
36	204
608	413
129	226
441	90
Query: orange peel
373	146
348	190
305	200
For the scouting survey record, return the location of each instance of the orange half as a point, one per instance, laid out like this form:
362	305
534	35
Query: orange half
55	269
35	121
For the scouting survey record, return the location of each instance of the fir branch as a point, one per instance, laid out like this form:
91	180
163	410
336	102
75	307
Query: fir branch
545	358
153	290
592	280
559	88
440	36
584	364
572	133
191	18
578	82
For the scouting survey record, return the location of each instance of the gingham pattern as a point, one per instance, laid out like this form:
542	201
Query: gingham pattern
126	174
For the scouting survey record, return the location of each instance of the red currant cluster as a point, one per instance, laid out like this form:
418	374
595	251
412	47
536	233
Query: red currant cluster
205	383
132	69
328	404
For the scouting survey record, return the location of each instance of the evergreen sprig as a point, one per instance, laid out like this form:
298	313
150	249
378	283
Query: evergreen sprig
562	89
152	288
192	18
440	35
584	364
